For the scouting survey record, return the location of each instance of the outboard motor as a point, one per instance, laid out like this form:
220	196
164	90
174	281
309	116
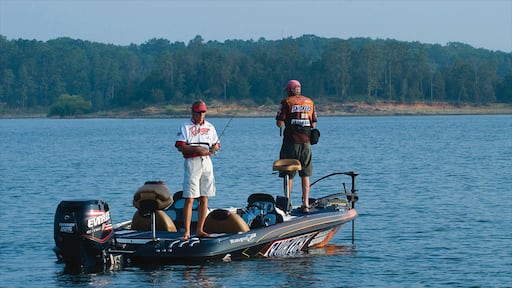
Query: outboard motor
83	231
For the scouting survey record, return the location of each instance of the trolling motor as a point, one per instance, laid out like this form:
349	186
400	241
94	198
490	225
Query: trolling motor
352	197
83	232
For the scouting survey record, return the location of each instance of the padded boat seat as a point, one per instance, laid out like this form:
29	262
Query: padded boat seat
223	221
175	211
156	191
152	197
287	165
141	221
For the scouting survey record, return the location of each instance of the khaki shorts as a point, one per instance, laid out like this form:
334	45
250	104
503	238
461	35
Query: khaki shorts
301	152
198	179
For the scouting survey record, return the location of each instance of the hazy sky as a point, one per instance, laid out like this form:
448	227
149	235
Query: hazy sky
479	23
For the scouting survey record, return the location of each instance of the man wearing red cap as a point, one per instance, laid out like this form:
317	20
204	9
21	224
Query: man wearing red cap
196	140
298	114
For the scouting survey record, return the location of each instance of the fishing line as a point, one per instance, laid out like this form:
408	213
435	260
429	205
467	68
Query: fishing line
221	134
226	126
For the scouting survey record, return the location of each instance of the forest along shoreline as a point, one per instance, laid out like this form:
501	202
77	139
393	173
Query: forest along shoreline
324	109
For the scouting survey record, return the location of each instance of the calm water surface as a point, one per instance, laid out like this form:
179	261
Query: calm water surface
435	198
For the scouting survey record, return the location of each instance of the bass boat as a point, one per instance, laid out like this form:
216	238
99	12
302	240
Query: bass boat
266	226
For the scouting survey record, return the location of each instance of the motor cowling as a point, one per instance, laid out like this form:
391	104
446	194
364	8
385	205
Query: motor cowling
82	232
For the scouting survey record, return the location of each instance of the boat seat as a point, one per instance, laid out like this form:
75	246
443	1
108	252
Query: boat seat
175	211
287	165
223	221
152	198
142	221
286	168
156	191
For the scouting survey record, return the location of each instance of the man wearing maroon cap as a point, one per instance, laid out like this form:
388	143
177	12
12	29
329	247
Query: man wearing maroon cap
298	114
196	140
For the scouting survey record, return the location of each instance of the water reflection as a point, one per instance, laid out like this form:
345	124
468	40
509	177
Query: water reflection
333	249
303	269
154	275
65	279
196	276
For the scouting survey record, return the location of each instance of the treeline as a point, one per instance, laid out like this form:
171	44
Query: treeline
37	75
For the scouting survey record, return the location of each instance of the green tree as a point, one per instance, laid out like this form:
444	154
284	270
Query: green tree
461	76
33	73
484	82
504	90
7	88
70	105
395	52
338	64
372	59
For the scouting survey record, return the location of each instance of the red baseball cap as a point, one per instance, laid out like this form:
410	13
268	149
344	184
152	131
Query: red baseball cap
199	107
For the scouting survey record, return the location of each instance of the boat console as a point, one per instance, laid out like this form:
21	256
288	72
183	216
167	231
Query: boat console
261	211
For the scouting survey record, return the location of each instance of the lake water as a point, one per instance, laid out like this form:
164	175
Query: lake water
435	198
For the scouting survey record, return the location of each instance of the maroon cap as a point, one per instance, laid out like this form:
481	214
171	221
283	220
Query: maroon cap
199	107
292	84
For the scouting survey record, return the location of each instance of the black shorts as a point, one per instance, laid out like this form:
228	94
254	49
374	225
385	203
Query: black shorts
301	152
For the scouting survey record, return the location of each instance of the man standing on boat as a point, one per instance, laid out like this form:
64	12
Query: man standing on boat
197	139
298	114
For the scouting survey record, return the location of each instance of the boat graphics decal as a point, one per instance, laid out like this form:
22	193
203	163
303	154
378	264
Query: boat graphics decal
97	218
319	238
168	246
98	221
190	242
246	238
100	240
288	246
67	227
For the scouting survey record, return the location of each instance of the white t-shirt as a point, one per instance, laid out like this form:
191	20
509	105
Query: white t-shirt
203	135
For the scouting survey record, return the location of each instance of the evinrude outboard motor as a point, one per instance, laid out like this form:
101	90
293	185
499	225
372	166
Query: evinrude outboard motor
83	232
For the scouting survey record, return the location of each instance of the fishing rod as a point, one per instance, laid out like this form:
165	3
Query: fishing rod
226	126
221	134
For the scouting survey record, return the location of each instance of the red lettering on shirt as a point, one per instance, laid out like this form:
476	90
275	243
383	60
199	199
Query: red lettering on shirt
194	130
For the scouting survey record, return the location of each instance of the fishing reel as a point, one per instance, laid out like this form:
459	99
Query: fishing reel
213	150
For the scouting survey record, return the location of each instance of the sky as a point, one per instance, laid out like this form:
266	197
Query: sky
479	23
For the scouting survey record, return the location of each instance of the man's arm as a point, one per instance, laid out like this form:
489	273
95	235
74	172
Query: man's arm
189	149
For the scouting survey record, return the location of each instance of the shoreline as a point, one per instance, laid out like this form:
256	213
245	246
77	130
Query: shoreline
324	110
